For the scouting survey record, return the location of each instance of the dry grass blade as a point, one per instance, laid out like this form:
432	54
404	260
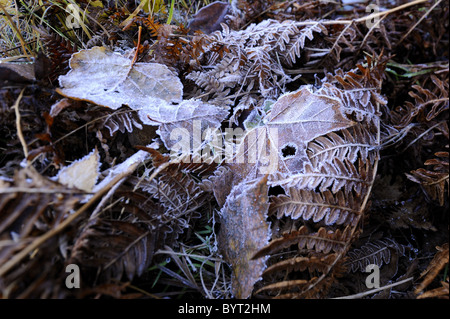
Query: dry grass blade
18	125
182	264
17	32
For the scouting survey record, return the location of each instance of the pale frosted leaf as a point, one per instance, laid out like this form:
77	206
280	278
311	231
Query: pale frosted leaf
106	78
82	173
188	120
295	119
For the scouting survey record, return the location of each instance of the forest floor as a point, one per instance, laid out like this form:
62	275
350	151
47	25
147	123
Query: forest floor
98	199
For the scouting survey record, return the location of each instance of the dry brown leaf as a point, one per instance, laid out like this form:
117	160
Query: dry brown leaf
209	18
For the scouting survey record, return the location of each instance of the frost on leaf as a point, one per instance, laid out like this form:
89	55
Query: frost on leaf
300	117
295	119
187	120
82	174
244	231
109	79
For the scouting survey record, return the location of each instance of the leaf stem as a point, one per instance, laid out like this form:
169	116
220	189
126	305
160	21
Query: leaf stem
137	46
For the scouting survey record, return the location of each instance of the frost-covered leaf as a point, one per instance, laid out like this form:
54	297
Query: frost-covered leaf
106	78
299	117
244	231
187	120
82	173
295	119
109	79
307	115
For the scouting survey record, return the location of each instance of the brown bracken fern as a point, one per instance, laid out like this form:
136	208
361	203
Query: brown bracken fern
329	199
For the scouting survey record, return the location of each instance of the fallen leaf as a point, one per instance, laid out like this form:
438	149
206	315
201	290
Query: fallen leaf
244	231
11	72
109	79
280	144
209	18
56	108
82	173
189	119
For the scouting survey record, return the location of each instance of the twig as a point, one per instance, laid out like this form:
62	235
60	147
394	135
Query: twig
369	292
137	47
403	6
362	19
124	25
418	22
19	126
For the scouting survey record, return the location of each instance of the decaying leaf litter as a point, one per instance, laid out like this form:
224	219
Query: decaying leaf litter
246	149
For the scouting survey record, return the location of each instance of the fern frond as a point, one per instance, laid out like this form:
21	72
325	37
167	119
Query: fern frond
122	122
59	51
332	208
439	261
321	241
334	176
250	61
432	102
301	288
376	252
433	181
331	186
350	143
318	263
120	242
